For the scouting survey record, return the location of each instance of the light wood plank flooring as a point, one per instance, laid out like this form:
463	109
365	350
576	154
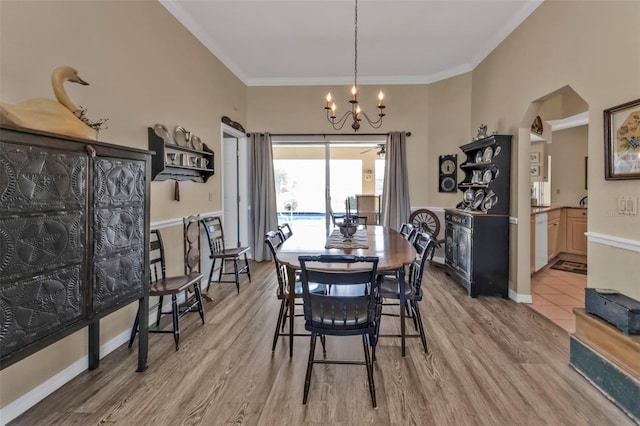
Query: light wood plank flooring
491	362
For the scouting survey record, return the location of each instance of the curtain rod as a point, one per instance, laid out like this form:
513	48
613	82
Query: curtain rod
329	134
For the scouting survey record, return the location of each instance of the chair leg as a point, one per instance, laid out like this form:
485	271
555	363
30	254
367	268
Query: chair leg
236	274
198	293
286	315
159	312
307	380
134	330
402	325
213	266
416	310
176	326
283	305
367	359
246	264
324	347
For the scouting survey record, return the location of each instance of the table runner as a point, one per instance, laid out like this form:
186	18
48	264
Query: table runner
337	241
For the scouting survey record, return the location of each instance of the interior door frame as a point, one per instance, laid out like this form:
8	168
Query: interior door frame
240	174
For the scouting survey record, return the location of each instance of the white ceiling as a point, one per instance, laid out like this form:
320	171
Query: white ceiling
311	42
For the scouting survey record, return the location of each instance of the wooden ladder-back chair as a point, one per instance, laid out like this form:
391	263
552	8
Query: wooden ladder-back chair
218	251
343	312
162	285
274	240
285	231
390	287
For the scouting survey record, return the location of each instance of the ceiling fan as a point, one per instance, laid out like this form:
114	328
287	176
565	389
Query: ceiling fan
382	150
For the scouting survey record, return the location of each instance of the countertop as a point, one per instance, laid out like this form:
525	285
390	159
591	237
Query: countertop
544	209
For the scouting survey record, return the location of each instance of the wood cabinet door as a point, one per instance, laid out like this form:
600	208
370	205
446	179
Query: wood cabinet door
576	240
553	238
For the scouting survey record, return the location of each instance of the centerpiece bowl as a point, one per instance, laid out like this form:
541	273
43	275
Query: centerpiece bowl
348	229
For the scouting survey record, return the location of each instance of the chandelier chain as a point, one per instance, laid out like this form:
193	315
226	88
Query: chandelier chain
355	66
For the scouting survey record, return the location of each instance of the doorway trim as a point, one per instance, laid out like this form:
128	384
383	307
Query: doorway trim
233	139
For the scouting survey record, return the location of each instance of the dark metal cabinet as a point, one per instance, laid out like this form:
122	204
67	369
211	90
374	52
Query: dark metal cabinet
477	252
477	231
74	225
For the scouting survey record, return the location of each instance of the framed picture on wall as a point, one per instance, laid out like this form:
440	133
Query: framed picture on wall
622	141
534	171
534	157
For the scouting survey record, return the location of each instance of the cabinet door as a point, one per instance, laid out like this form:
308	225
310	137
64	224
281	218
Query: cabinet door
463	244
449	244
553	238
576	240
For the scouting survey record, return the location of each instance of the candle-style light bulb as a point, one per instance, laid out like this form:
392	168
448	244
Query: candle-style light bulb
354	93
333	110
358	112
329	100
380	98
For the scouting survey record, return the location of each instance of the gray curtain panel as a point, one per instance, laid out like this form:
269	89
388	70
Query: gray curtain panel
396	207
263	194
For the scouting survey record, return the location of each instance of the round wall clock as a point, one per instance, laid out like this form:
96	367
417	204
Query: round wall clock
448	173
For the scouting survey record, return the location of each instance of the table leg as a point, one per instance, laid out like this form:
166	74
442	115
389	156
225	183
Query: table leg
291	275
403	301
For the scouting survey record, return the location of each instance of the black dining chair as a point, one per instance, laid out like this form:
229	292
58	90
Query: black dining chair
217	251
345	311
162	285
274	240
424	244
285	231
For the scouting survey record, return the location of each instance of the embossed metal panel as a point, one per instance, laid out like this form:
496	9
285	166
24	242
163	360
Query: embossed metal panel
119	182
118	232
33	179
118	280
36	243
32	309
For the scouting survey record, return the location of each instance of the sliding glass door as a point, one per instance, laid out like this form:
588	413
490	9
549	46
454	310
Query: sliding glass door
317	179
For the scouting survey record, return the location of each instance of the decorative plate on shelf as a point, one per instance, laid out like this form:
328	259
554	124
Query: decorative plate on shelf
497	151
487	154
162	132
477	199
181	136
479	157
468	196
486	176
196	143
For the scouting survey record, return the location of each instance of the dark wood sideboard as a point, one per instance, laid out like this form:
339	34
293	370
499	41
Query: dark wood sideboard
74	239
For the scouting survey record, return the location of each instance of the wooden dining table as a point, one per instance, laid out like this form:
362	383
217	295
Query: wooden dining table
391	248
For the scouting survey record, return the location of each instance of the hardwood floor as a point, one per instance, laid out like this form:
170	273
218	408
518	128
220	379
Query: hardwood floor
491	361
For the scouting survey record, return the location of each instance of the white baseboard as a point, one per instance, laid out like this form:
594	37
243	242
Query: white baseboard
46	388
520	298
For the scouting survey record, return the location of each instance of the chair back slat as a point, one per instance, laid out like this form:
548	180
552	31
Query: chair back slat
215	233
274	240
156	256
285	231
424	245
344	311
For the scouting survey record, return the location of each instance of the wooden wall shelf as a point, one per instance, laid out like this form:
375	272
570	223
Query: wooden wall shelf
161	169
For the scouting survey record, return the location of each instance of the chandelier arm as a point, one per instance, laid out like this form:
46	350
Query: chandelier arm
375	124
338	124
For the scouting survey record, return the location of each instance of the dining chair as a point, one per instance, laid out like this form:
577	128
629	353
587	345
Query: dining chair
161	285
285	231
359	220
274	240
343	312
406	229
424	244
217	251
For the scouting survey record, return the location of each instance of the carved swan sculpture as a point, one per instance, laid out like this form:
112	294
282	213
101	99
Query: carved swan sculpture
48	114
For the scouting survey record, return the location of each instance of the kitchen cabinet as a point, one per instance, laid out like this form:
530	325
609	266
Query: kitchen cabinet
74	225
576	240
553	234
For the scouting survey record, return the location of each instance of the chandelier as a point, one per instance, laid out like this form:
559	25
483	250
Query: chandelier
355	114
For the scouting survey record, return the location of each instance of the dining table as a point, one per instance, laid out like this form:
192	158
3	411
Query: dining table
388	245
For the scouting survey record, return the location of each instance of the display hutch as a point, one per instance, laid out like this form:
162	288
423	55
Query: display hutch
477	230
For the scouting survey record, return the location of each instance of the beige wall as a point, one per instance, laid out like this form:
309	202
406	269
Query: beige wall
144	68
589	46
568	151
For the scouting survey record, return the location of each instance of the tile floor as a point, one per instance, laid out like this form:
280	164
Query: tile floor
555	294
